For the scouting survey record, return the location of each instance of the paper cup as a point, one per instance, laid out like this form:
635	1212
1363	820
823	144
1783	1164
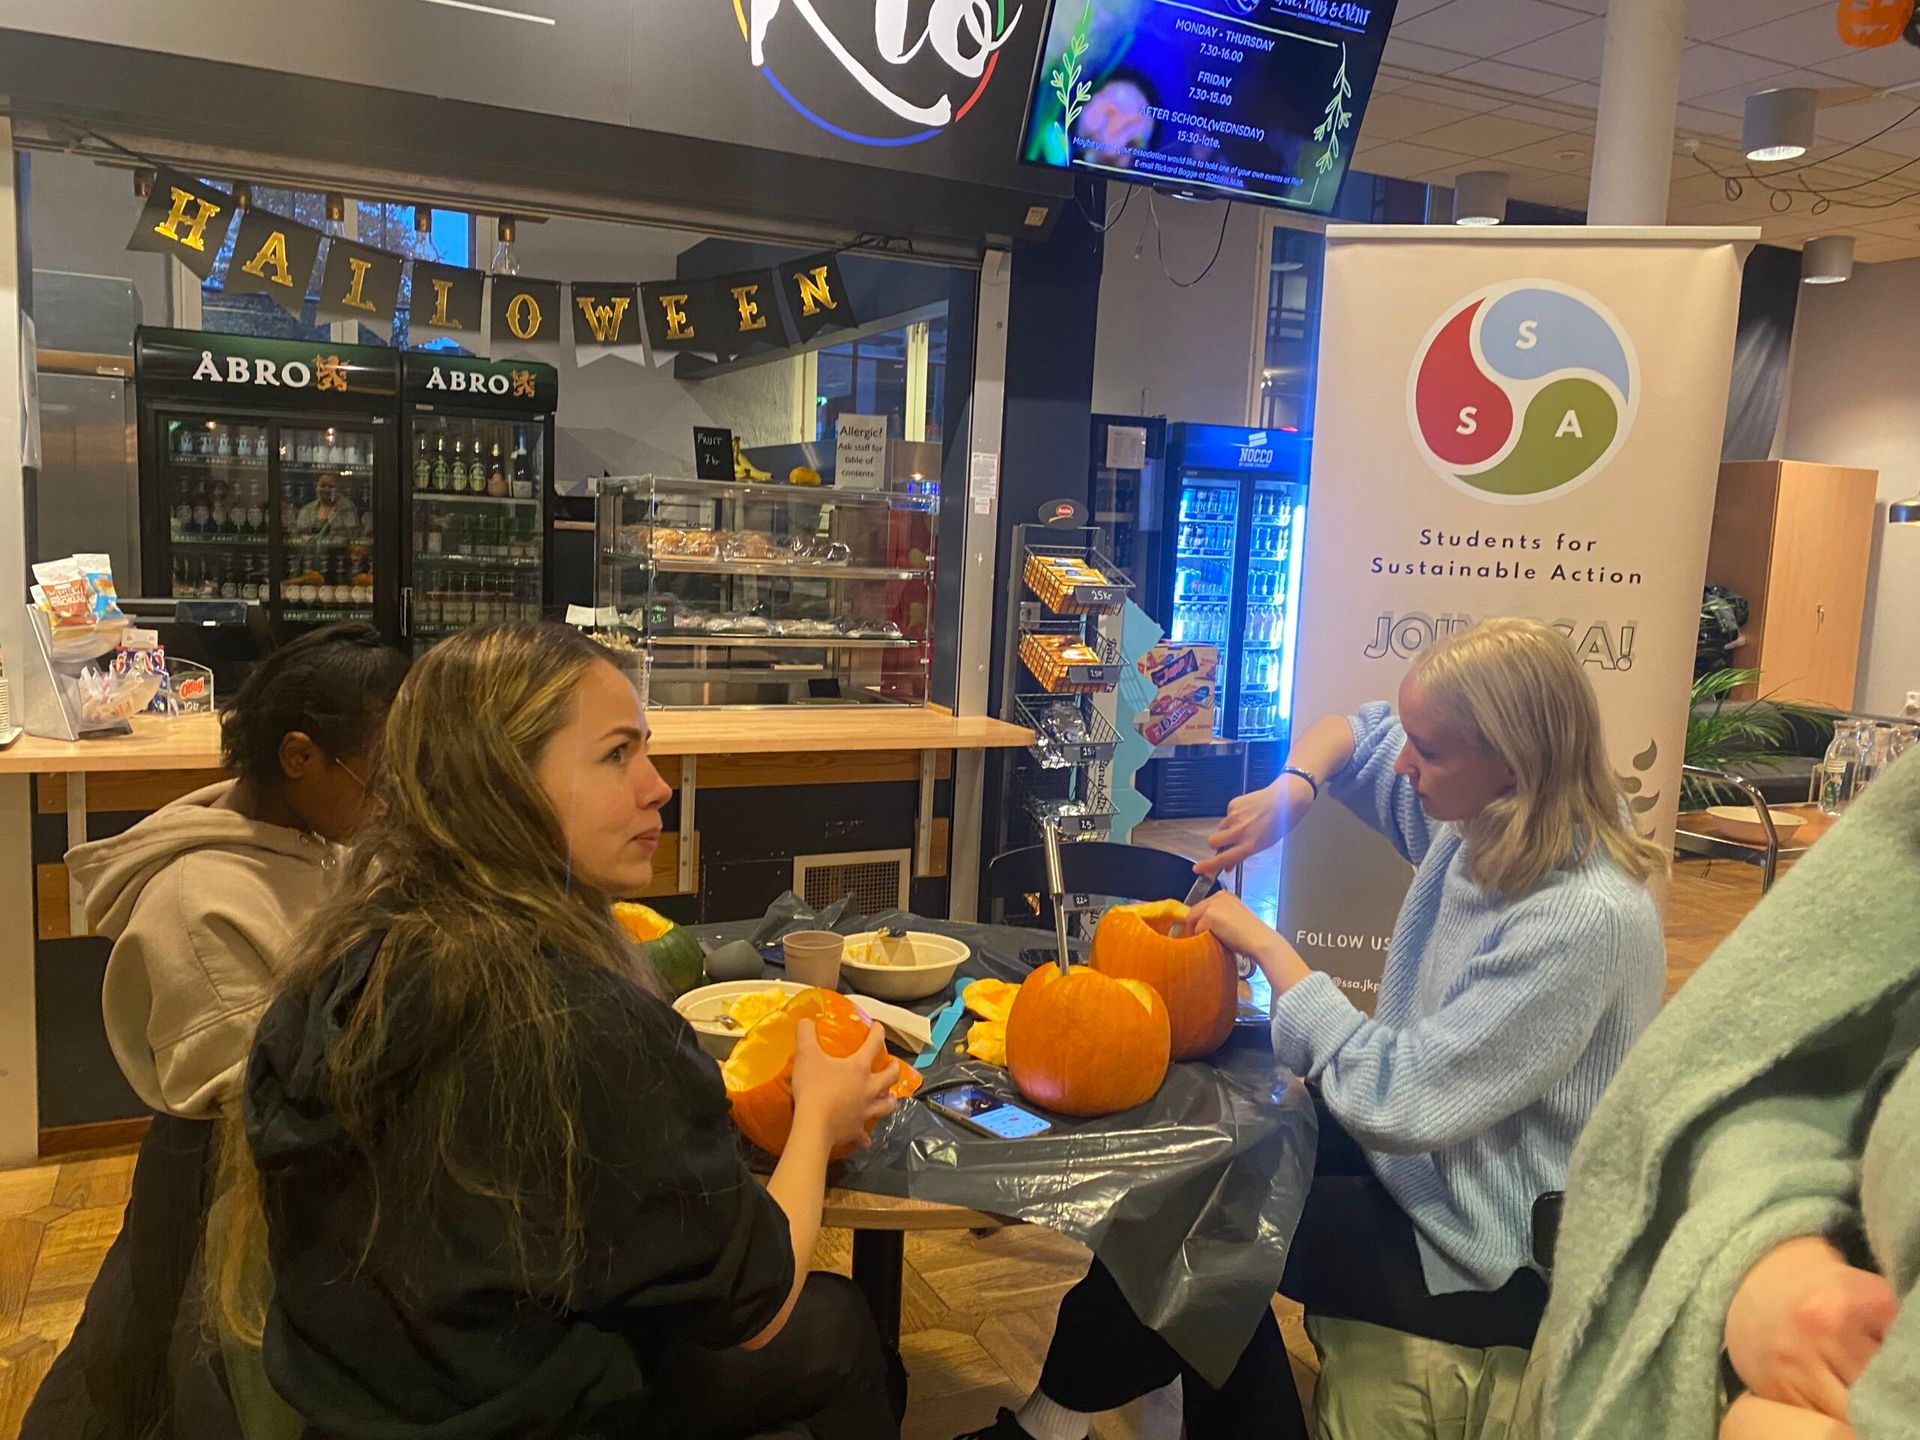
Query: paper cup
813	957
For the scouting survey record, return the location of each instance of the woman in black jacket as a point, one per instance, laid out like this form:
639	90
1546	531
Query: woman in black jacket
501	1197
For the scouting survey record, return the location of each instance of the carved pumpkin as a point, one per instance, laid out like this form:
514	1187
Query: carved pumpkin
758	1074
1866	24
1084	1043
1192	973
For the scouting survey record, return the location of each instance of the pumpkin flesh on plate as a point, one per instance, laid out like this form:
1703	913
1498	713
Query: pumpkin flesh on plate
1087	1044
1193	974
758	1075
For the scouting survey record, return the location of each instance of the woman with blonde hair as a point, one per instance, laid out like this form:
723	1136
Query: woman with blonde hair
1526	959
500	1193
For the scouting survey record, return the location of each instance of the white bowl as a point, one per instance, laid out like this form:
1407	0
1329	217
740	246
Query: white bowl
703	1007
1742	822
935	958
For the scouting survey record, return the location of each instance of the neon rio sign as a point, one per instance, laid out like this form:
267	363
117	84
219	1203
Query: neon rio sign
965	36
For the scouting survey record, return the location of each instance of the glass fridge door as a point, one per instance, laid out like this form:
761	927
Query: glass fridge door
214	481
1273	596
475	506
326	522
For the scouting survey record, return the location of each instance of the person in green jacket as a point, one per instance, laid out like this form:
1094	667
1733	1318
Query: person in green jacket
1741	1229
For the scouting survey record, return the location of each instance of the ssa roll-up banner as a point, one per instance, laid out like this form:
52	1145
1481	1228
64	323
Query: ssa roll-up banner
1522	421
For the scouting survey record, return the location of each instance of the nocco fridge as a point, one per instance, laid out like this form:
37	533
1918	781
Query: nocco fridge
477	477
266	475
1236	504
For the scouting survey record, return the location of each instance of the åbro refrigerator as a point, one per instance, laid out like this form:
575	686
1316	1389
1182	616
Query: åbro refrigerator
265	475
477	479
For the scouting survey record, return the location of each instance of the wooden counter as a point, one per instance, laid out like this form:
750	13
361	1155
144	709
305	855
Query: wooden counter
194	743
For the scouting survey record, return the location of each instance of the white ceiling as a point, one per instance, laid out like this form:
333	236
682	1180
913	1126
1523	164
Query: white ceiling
1513	84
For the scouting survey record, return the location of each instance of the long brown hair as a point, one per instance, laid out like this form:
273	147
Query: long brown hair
1515	686
464	883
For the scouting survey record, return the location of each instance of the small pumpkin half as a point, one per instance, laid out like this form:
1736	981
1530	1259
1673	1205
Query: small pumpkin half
1086	1044
1193	974
670	948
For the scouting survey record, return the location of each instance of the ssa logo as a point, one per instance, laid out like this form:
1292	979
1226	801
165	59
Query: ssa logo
1523	391
860	75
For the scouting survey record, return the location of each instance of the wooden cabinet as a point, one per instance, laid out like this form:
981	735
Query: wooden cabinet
1794	538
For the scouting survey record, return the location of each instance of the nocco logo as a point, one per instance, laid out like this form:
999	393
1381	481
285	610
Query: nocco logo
895	89
1523	391
327	372
1256	454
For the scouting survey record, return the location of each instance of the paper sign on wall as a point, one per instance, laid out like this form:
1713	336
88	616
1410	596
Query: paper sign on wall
983	480
860	452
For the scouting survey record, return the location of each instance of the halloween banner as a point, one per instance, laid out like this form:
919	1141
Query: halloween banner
449	303
606	321
816	296
273	256
184	218
720	318
360	284
525	314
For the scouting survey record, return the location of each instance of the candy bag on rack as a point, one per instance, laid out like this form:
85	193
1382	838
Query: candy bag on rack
103	599
65	591
140	658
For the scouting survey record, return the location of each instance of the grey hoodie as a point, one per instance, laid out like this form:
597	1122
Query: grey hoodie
202	905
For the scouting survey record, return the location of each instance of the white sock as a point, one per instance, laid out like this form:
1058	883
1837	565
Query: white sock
1044	1420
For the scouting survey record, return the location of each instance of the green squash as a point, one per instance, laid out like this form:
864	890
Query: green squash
671	948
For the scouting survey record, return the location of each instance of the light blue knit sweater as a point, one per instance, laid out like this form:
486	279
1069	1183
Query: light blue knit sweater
1498	1025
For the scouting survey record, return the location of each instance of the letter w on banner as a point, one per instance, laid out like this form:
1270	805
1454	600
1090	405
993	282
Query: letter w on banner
606	321
1519	422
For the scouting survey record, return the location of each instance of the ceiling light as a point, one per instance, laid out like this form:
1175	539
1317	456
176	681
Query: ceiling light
242	195
1827	260
423	220
1480	197
505	262
336	206
1904	512
142	181
1778	124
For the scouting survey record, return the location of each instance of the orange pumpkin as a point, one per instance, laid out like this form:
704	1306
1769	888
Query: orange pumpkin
1084	1043
1866	24
1192	973
759	1073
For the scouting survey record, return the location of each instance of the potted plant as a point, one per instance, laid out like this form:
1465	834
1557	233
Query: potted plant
1735	735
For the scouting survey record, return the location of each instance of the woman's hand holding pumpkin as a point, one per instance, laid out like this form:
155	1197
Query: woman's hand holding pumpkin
840	1097
1804	1324
1225	916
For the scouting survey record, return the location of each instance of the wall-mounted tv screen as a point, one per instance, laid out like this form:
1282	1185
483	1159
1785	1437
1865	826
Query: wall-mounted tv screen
1257	99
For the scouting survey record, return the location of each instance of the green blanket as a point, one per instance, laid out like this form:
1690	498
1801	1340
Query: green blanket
1739	1121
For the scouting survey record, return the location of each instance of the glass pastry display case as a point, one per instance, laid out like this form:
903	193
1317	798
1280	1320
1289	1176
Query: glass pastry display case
771	594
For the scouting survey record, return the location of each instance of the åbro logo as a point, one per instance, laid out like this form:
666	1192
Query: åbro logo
1523	391
892	90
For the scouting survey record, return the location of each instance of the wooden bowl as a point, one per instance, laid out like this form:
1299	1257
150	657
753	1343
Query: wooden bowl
1741	822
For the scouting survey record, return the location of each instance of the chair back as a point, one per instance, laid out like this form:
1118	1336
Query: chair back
1089	867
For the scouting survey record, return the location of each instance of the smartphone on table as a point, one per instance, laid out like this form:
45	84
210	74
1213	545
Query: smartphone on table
976	1108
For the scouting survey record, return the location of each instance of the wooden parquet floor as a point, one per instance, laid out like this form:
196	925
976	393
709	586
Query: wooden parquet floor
978	1310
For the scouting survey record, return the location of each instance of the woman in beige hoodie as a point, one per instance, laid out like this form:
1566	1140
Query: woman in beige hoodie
200	900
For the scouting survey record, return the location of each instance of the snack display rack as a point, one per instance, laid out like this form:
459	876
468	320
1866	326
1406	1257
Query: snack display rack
1056	666
767	594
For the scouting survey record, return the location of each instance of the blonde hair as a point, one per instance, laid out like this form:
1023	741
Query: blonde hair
1515	687
465	884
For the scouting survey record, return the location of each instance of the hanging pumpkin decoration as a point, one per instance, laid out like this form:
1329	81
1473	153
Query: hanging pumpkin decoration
1866	24
1087	1044
1194	974
758	1075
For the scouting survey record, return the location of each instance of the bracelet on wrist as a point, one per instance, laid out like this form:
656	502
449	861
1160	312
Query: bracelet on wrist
1313	783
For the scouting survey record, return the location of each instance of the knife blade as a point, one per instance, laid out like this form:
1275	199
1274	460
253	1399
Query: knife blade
1201	885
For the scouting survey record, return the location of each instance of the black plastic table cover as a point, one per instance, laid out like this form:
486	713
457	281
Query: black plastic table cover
1190	1200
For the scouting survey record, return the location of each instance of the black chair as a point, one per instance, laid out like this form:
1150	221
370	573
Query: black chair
1089	867
1546	1228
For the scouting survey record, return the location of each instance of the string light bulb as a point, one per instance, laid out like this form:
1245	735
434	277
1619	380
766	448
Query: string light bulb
505	261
